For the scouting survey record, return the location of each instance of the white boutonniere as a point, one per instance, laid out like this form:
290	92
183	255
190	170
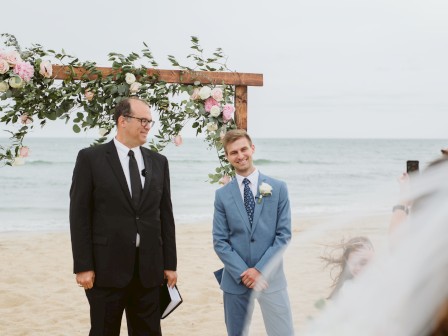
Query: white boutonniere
265	190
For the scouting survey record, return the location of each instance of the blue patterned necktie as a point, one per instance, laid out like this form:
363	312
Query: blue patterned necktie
249	202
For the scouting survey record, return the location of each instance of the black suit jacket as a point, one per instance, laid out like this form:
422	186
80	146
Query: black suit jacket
104	223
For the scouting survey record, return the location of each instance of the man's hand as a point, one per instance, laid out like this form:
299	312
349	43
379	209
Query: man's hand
171	277
85	279
252	278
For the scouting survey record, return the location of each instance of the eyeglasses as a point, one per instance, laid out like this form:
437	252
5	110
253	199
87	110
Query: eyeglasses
143	121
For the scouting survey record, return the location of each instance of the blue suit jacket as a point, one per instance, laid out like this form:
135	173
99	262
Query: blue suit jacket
240	246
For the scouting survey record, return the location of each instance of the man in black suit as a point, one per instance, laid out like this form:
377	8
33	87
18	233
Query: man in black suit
122	226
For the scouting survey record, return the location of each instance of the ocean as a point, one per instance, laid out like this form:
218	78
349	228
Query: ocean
324	177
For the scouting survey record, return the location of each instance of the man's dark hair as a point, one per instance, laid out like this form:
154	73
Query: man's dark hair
123	108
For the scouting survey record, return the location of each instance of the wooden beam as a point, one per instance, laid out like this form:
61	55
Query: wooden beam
172	76
241	107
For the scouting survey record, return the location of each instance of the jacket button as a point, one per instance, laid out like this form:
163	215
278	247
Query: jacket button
252	240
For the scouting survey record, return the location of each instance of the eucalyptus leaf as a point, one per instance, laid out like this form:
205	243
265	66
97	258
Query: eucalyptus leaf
76	128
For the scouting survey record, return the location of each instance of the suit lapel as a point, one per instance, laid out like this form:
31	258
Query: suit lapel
234	188
149	171
258	206
114	161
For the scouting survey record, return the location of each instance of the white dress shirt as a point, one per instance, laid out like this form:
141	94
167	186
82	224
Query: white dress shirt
123	152
253	179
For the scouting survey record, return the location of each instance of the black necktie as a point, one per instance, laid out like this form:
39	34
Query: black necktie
136	182
249	202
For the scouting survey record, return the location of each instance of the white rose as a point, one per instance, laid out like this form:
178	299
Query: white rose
211	126
4	67
46	69
215	111
15	82
130	78
135	87
102	131
18	161
265	189
4	86
205	92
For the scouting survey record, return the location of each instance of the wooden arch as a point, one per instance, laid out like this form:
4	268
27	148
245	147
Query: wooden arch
240	80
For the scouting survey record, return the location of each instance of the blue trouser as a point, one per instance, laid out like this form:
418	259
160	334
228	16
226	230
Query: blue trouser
275	308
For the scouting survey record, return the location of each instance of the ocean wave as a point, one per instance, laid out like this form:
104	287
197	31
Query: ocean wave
262	162
314	162
30	210
48	163
191	160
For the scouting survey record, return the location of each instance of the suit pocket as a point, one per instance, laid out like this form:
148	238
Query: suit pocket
100	240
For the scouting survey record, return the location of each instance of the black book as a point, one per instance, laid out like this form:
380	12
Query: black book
170	299
218	275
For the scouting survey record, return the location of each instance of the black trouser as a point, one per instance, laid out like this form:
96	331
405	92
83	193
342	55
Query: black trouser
141	304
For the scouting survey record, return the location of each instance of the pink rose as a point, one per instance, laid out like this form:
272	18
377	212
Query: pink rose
227	112
24	119
89	94
217	94
209	103
25	70
225	179
46	69
222	134
12	57
24	151
4	66
195	94
177	140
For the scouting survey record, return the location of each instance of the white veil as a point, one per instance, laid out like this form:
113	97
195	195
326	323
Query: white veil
402	292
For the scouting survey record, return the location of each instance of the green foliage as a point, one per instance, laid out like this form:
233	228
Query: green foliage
89	103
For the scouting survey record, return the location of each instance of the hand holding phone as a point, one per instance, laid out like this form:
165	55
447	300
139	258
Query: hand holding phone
412	166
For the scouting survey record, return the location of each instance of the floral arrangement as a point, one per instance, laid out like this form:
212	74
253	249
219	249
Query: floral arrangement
29	96
216	105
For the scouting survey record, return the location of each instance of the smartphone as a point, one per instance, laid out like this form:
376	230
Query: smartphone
411	166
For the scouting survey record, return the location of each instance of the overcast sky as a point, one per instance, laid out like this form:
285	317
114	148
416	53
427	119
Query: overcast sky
332	68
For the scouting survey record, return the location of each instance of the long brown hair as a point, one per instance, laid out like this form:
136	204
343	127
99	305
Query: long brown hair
338	260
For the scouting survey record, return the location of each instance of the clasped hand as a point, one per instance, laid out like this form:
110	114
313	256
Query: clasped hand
252	278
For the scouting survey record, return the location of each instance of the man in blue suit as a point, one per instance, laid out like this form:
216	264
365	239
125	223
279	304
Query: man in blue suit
251	229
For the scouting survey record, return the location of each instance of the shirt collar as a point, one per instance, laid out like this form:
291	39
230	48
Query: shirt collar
123	150
253	178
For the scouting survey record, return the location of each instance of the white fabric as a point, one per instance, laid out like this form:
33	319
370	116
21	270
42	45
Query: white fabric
123	152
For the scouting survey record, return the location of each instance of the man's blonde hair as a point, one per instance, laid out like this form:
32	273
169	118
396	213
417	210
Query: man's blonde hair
234	135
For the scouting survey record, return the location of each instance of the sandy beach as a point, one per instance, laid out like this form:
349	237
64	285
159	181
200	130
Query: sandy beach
39	295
